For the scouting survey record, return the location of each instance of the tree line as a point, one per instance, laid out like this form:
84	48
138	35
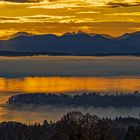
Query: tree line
73	126
92	99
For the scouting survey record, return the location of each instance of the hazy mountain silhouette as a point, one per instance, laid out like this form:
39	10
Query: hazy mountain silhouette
73	44
15	35
21	34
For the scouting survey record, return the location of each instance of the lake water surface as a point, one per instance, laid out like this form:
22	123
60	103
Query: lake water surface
69	75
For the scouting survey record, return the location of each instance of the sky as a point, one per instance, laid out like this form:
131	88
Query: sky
114	17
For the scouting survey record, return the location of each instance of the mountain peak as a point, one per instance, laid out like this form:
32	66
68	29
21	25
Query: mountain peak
126	35
17	35
76	33
22	34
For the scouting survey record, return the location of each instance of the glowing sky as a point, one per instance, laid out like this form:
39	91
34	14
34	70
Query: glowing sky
113	17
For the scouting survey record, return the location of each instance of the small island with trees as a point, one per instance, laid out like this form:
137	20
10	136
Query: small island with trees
84	100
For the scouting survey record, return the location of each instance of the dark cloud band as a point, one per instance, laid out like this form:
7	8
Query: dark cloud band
23	1
124	4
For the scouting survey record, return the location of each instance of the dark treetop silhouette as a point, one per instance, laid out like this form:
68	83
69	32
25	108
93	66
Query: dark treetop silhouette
73	126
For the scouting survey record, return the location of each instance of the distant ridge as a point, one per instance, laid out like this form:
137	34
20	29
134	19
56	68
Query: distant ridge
16	35
11	53
79	43
21	34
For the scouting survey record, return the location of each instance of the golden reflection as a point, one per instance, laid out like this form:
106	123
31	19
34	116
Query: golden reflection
69	84
57	85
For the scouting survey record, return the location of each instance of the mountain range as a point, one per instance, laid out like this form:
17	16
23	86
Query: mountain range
71	44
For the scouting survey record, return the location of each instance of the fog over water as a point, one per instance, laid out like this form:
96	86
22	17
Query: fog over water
63	74
31	114
69	66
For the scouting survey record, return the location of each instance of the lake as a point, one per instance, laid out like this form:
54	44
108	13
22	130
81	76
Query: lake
69	84
69	75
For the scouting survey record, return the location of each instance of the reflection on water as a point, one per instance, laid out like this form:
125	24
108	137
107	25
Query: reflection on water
11	86
66	66
69	84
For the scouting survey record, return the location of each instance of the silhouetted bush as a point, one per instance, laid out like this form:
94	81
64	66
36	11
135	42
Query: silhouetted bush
133	133
72	126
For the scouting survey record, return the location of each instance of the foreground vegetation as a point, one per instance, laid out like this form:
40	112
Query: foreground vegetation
73	126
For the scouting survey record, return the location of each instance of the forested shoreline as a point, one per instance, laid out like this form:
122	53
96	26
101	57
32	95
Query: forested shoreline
74	125
84	100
